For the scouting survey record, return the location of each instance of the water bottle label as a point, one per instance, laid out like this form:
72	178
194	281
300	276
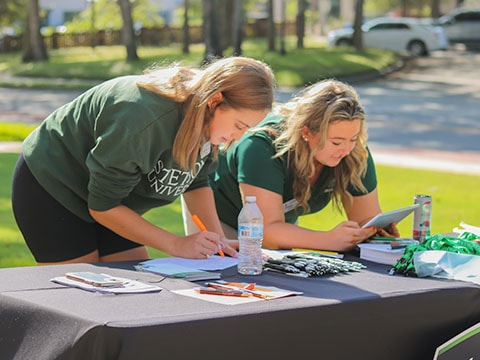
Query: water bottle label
257	231
250	230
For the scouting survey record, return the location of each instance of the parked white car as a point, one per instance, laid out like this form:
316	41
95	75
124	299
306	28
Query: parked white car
462	26
398	34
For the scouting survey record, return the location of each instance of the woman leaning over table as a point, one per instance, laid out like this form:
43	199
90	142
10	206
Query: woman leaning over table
304	154
133	143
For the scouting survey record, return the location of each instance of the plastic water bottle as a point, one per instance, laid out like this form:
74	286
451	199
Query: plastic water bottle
250	237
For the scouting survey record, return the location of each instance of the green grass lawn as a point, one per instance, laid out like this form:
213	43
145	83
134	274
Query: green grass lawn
455	198
295	69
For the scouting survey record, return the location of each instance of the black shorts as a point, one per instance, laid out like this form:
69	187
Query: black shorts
52	232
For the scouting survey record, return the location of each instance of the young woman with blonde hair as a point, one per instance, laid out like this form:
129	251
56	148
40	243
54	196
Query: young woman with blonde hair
307	152
130	144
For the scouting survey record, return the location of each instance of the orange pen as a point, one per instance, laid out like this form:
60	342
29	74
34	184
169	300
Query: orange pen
202	227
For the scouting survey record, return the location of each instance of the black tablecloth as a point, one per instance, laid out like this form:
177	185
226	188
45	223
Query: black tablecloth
363	315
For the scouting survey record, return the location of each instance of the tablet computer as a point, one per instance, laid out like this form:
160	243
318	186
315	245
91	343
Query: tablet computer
384	219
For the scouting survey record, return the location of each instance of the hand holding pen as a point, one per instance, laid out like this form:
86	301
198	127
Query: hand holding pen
202	227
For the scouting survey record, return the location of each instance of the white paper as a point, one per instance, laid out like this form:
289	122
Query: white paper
219	299
277	254
271	293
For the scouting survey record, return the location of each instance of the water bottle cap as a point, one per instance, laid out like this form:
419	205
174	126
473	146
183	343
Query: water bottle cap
250	198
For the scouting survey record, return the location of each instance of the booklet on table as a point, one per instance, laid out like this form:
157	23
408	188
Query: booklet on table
188	269
380	253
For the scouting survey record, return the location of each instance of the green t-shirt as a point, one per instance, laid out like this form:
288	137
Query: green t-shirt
250	161
113	146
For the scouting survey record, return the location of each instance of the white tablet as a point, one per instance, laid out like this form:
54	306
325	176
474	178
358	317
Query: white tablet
384	219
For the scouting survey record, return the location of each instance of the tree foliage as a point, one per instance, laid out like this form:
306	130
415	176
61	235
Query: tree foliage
416	8
12	11
108	16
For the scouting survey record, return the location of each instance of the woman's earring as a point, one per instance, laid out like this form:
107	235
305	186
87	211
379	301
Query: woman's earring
305	138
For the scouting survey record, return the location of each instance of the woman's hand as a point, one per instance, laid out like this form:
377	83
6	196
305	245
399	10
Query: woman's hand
391	232
230	243
203	244
229	246
348	234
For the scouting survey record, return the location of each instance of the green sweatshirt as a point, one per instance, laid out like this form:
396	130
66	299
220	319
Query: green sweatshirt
250	161
113	146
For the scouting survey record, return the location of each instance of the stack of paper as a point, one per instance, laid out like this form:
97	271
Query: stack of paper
380	253
188	269
178	271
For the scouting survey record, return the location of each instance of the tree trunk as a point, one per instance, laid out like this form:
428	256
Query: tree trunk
271	27
210	31
357	26
223	17
237	31
33	48
283	25
300	23
404	7
435	13
127	30
93	31
186	29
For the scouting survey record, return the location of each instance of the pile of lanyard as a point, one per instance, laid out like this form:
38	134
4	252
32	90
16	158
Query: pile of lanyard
466	243
306	265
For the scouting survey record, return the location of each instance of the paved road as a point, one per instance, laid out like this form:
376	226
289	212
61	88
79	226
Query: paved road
31	105
436	105
425	116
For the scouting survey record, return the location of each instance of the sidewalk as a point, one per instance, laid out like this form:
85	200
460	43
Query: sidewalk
10	146
9	80
452	162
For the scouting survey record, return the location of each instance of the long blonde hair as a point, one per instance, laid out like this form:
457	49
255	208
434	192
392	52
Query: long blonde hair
245	83
315	108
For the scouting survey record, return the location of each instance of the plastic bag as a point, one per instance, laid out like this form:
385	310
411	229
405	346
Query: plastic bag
467	228
447	265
